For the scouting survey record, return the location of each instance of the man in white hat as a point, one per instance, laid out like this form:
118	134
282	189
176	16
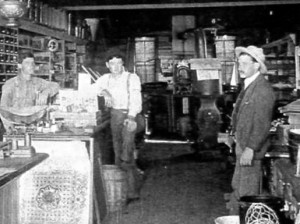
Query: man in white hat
251	121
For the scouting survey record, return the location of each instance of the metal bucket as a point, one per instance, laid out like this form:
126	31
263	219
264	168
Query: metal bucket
229	219
294	135
207	87
293	150
259	207
294	143
116	187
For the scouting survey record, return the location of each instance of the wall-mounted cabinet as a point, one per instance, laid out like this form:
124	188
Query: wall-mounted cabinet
56	53
281	64
8	53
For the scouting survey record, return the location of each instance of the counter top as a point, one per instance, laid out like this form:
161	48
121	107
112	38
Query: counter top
11	168
288	171
278	151
57	136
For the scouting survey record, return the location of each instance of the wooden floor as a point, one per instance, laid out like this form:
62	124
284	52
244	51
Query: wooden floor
180	187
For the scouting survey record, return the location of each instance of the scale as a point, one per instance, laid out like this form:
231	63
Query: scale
20	122
182	79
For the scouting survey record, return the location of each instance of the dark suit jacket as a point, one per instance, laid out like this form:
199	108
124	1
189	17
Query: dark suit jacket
252	122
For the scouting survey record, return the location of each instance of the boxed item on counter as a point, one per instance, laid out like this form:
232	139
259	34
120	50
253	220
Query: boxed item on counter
74	101
76	109
75	119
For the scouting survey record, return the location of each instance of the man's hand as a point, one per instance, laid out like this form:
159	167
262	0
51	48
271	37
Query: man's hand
42	98
230	140
130	124
247	157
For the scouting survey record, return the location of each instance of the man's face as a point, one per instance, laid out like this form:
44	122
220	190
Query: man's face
27	68
115	65
246	66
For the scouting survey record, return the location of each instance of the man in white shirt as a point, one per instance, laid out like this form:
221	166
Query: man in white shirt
25	90
122	93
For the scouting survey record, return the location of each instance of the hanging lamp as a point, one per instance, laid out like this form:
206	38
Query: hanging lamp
12	10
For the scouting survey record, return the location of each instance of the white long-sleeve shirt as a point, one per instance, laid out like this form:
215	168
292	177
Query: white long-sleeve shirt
119	88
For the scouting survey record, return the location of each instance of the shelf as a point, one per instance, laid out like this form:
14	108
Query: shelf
59	62
8	35
40	74
43	30
4	63
9	74
279	56
31	48
6	53
9	44
41	62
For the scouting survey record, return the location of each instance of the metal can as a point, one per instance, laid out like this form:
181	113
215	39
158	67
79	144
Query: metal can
14	144
27	139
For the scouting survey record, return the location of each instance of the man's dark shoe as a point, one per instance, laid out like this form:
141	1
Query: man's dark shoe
131	200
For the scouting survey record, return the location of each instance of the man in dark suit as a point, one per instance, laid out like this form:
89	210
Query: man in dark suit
251	121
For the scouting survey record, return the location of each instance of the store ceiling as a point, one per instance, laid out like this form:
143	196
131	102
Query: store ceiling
132	4
137	17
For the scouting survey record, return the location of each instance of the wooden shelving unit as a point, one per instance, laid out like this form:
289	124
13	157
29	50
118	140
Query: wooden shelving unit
61	63
282	66
46	31
8	53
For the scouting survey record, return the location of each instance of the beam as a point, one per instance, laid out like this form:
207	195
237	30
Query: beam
179	5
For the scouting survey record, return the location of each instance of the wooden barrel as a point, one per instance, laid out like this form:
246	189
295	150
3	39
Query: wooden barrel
146	71
225	47
145	58
116	187
144	49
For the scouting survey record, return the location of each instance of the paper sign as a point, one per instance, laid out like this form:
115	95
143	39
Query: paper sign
75	101
207	74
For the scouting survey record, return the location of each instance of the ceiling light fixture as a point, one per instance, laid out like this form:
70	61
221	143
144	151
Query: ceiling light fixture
12	10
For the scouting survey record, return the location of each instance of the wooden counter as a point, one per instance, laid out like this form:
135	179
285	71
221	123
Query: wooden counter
286	185
20	165
57	136
9	185
59	190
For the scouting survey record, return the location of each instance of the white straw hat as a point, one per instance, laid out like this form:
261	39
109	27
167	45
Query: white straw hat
255	52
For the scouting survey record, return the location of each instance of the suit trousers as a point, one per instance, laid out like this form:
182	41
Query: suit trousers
246	181
124	145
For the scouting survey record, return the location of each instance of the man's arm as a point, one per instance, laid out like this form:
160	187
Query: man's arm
262	118
100	88
46	89
52	88
135	97
6	96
